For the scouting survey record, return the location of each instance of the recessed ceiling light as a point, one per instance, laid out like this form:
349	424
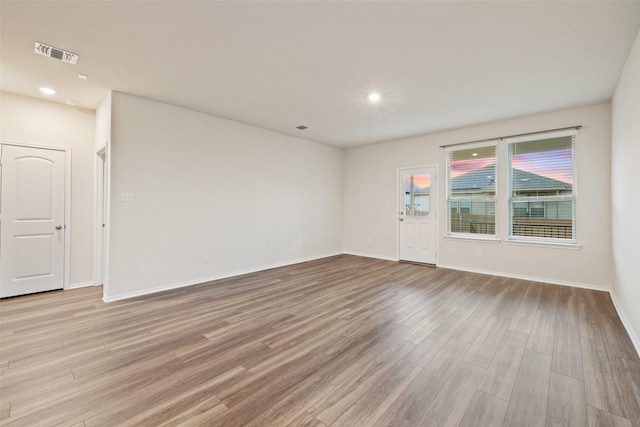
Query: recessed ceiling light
82	76
474	154
47	91
302	127
374	97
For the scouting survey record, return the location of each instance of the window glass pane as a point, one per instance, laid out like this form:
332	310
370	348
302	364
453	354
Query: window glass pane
542	171
472	217
542	167
520	209
416	195
551	219
472	173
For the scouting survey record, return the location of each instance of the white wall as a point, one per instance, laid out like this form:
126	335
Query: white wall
370	221
103	123
30	120
245	197
625	177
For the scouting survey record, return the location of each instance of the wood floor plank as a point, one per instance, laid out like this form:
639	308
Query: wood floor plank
599	418
470	330
306	420
200	414
450	405
626	374
354	386
377	400
567	351
503	370
618	341
484	410
528	403
339	340
484	347
589	322
523	317
295	404
413	402
567	305
600	385
391	419
5	411
542	334
567	404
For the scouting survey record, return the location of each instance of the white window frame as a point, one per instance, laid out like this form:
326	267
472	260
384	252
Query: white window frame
572	198
449	200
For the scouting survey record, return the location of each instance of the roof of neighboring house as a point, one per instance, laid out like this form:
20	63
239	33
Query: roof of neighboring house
418	191
484	179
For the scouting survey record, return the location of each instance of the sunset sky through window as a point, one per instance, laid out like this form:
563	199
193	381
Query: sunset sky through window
551	164
421	181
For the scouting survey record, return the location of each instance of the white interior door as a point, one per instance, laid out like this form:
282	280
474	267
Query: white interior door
417	214
32	223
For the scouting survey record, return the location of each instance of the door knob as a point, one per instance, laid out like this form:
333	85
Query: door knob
58	227
401	219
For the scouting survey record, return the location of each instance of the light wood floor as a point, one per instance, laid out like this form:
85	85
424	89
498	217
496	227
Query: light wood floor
343	341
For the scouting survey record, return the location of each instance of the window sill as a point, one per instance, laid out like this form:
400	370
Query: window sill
489	239
559	245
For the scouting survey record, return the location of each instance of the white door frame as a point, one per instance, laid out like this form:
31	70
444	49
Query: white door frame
435	212
99	210
67	200
106	242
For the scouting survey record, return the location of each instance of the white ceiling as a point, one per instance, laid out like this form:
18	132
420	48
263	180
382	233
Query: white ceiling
277	65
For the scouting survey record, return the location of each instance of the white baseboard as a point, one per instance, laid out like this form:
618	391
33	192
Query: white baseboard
210	279
531	278
80	285
625	322
370	256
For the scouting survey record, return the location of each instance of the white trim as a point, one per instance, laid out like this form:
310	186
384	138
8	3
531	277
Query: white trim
34	145
80	285
360	254
531	278
435	211
470	236
447	196
540	135
170	286
558	243
625	321
470	145
106	244
99	178
67	200
67	219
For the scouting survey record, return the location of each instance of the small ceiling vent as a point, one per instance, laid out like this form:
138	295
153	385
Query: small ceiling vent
55	53
302	127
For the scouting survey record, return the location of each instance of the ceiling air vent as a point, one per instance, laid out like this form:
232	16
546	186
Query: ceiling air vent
55	53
